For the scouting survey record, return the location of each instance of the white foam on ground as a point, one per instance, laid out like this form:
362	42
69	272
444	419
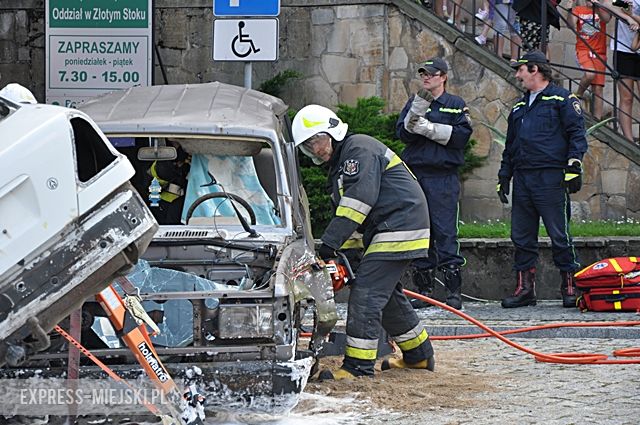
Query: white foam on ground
313	408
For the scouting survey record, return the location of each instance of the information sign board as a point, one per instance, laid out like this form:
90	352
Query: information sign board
96	46
248	40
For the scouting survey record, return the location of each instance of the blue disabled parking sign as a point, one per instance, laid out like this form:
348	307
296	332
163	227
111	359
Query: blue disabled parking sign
246	7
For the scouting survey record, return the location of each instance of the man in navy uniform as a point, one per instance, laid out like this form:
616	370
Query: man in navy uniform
546	141
436	127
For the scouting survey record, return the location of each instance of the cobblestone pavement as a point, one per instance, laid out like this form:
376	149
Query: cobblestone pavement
441	322
517	389
526	392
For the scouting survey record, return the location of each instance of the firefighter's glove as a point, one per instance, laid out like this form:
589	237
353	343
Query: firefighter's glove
419	106
421	102
326	252
410	121
503	190
573	176
436	132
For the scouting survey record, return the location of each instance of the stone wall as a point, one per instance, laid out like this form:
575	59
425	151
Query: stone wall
345	50
22	44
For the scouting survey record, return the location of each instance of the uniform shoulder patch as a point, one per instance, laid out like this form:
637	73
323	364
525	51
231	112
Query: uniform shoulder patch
576	107
351	167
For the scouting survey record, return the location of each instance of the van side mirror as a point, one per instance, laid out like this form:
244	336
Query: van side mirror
157	153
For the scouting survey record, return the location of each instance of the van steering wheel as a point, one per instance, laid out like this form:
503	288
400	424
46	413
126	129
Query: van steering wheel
230	196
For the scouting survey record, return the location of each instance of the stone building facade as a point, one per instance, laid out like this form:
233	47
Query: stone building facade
345	50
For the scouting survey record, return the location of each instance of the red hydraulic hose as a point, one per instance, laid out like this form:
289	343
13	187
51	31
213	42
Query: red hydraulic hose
566	358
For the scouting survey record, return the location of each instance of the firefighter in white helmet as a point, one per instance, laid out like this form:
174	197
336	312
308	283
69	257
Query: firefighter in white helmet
375	195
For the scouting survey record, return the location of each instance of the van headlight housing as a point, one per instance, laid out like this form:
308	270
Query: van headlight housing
245	321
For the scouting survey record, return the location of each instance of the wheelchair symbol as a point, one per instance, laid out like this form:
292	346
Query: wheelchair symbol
243	39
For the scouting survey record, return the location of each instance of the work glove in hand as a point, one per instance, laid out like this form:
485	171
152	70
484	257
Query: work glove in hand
573	176
410	121
421	102
419	105
326	252
192	408
503	190
436	132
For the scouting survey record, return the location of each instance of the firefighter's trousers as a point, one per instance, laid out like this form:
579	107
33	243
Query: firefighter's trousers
376	301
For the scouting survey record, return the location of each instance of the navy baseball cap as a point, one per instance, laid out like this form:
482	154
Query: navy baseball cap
433	65
534	56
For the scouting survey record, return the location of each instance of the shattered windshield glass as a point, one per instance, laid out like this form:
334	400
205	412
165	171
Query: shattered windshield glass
176	325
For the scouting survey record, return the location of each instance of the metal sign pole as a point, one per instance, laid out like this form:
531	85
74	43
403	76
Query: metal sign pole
247	75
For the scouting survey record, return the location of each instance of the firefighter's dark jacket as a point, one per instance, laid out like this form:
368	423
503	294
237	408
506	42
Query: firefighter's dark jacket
544	135
425	156
376	195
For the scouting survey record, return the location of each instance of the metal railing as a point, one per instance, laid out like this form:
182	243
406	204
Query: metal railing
546	6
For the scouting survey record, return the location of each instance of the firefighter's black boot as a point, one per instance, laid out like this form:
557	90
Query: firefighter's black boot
568	289
453	285
423	281
525	293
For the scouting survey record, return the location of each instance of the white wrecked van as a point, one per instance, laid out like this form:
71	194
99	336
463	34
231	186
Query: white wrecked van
69	220
231	271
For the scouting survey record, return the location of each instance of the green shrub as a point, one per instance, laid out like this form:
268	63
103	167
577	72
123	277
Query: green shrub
367	118
274	86
471	160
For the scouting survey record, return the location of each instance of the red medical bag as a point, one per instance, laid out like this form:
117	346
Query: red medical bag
609	273
612	284
610	299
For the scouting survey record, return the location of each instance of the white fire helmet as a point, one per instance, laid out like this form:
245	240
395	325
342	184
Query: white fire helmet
17	93
312	120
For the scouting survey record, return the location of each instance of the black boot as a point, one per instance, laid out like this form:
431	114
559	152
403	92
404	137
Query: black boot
525	293
568	289
453	285
423	281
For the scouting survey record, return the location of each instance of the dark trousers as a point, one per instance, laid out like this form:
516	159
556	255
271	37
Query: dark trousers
536	194
376	301
442	193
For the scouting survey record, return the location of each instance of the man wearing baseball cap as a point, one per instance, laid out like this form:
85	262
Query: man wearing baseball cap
436	127
534	56
432	66
543	153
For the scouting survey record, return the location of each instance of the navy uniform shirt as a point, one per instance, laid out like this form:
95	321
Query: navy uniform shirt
425	156
546	134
